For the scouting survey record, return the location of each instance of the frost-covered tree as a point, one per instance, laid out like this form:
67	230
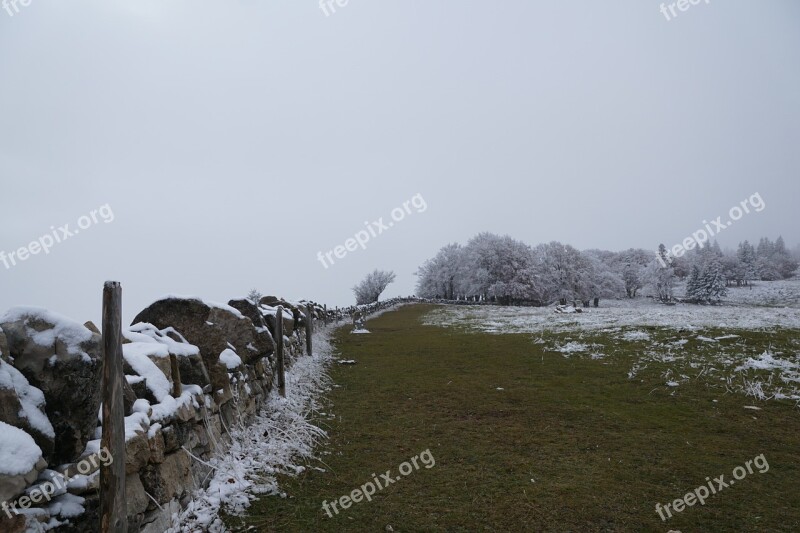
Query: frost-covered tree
713	281
681	266
254	296
786	264
566	273
604	282
372	286
694	292
746	255
660	275
706	283
730	269
773	260
631	266
499	267
442	276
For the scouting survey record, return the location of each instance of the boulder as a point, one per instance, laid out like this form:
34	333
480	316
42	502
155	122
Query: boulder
213	328
270	316
59	357
4	355
22	406
21	461
250	310
192	318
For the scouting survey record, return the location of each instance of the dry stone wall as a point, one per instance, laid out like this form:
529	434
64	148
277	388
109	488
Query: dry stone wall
193	369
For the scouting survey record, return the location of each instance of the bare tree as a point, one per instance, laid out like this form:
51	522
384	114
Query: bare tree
370	289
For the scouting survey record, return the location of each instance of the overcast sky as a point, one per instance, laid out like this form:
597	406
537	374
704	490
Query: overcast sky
233	141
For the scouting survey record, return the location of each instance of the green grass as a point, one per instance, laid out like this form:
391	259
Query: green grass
603	449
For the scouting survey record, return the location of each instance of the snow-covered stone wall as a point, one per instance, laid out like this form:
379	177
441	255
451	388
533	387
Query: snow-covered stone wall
194	370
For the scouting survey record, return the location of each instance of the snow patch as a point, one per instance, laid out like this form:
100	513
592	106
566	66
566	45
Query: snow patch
18	451
229	358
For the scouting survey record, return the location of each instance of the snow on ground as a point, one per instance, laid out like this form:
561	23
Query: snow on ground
784	293
676	337
612	313
253	462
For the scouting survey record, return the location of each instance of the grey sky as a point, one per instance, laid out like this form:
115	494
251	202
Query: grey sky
235	140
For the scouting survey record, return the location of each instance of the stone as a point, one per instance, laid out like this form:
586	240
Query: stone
135	496
59	357
212	329
288	323
137	453
21	405
11	486
14	524
170	479
157	520
171	441
24	523
157	447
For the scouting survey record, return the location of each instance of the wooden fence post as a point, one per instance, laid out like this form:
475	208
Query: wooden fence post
113	506
279	357
325	309
309	328
175	370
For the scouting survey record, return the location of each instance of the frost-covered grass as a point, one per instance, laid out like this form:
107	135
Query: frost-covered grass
683	342
279	442
530	437
764	364
613	313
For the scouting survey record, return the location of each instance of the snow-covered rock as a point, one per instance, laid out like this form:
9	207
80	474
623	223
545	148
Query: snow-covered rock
213	328
61	358
22	406
20	461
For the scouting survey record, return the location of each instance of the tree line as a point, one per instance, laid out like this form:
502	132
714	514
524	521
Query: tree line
501	269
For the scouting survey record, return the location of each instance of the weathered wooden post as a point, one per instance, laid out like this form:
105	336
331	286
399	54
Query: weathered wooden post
309	327
113	507
175	370
325	310
279	356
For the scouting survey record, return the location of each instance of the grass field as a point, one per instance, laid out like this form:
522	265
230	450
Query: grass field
568	444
